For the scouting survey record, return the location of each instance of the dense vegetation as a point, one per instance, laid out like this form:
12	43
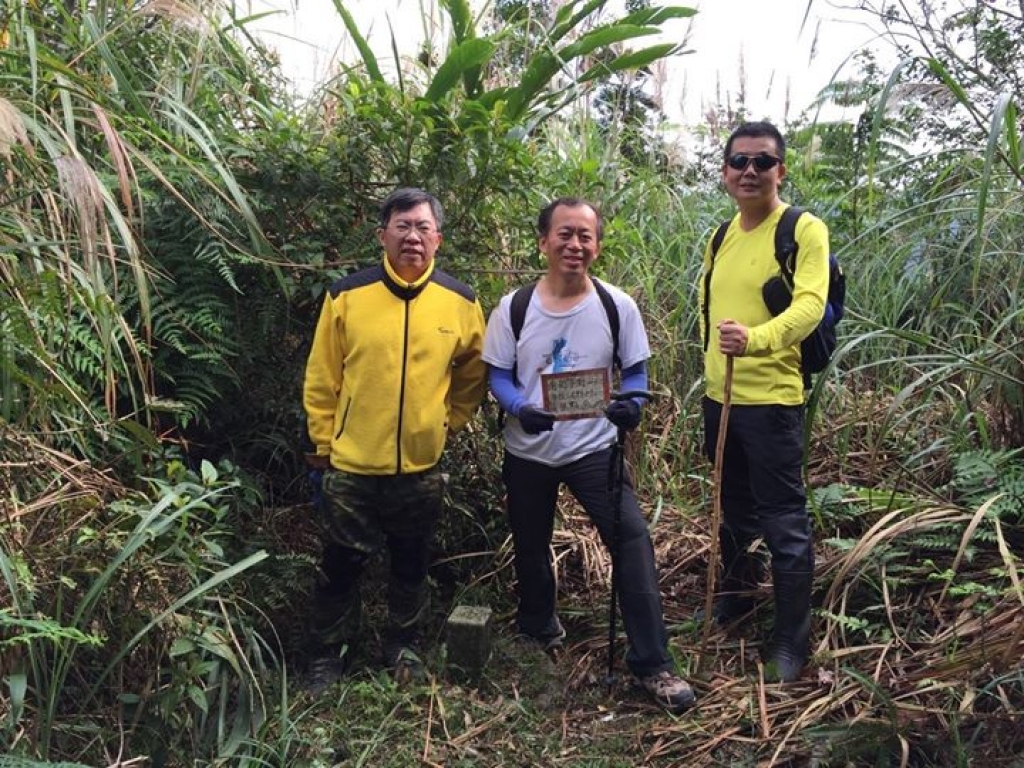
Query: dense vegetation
169	218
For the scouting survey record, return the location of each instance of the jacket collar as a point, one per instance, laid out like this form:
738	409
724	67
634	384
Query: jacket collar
400	288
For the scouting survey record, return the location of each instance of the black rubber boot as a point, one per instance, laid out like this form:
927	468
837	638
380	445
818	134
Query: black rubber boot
791	634
742	571
736	597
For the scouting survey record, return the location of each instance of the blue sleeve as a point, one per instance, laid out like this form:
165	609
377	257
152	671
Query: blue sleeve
505	391
635	377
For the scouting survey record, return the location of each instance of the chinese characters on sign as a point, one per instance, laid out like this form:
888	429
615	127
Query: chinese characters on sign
576	394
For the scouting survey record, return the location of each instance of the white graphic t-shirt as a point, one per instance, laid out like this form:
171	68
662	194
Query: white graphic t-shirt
557	342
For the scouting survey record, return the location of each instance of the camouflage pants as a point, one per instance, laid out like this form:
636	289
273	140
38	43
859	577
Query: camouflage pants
362	513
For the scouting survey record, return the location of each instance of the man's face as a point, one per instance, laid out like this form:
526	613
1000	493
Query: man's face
749	185
410	241
571	242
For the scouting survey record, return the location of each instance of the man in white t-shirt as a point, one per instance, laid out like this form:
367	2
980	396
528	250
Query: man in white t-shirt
567	330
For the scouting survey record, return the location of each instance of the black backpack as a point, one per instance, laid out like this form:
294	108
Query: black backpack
816	350
521	300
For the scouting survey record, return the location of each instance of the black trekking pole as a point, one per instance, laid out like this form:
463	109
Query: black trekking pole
616	477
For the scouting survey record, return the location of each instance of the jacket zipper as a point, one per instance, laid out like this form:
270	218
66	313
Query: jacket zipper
401	393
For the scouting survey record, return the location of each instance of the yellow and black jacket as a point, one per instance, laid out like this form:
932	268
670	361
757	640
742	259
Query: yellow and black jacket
393	369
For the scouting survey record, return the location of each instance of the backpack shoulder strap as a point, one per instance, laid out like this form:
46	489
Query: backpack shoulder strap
719	236
517	308
785	241
716	243
613	318
521	300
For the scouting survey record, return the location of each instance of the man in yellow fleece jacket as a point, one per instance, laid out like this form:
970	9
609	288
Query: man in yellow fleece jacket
395	367
762	488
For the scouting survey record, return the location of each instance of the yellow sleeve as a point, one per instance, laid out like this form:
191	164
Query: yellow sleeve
469	372
324	375
810	291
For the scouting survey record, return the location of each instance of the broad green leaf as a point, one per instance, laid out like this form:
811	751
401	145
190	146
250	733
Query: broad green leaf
209	473
461	59
603	37
566	21
181	646
544	66
631	60
17	687
462	19
654	16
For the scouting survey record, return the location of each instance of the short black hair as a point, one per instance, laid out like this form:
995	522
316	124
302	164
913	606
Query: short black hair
544	220
407	198
757	130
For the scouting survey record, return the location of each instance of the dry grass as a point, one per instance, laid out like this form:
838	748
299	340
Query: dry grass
917	642
925	671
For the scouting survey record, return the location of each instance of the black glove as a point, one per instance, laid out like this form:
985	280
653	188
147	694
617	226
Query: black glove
624	414
536	420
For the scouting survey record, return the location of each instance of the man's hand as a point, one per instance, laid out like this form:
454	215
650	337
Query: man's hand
318	462
732	338
536	420
624	414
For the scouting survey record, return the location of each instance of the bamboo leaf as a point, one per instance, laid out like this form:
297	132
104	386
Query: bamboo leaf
876	124
999	114
940	71
395	55
126	89
369	60
214	581
1013	138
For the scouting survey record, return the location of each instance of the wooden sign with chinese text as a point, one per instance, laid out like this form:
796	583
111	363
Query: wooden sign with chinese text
576	394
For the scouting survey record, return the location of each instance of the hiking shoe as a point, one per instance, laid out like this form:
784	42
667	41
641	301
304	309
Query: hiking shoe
405	664
552	643
324	671
669	690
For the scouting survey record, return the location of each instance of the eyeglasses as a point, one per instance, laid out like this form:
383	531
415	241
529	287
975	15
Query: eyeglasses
404	228
762	162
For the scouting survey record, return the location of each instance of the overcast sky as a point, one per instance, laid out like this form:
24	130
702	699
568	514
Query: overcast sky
778	57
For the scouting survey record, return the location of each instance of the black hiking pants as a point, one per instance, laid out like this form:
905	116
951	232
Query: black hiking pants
532	490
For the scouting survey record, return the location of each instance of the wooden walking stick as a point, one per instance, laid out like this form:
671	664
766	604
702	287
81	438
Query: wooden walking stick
716	507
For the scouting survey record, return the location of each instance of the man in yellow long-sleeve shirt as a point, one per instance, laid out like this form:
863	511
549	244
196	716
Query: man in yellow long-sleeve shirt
395	367
762	483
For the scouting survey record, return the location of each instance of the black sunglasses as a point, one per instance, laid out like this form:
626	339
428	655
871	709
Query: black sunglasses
762	162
